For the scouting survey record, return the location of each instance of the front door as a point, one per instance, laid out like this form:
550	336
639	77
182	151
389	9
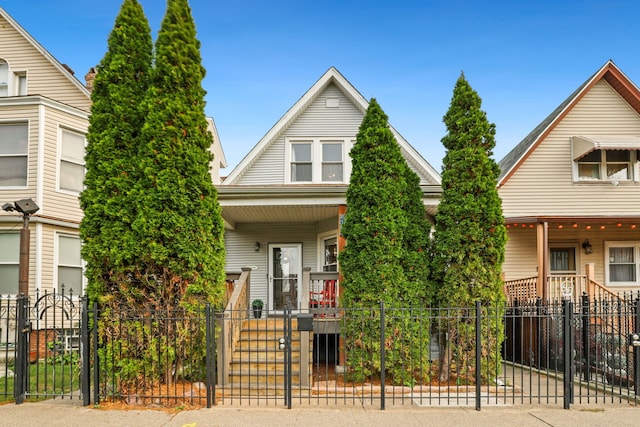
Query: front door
285	273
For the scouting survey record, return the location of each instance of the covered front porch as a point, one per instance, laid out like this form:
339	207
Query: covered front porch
562	258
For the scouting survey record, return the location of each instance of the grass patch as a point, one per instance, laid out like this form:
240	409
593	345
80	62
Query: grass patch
46	380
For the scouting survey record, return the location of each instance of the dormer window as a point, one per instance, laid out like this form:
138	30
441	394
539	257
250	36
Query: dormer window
605	158
610	165
4	78
317	160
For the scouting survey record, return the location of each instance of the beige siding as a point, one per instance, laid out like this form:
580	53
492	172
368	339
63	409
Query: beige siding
316	121
59	204
43	78
543	184
521	259
27	114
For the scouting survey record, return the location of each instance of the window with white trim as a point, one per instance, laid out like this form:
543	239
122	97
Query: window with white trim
301	162
9	262
12	82
607	165
330	254
71	160
13	154
317	160
4	78
622	263
69	264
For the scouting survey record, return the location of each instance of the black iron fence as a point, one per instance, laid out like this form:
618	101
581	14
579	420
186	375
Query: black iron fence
40	346
556	353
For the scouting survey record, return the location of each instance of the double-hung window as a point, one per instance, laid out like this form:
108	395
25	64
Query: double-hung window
13	154
622	263
71	160
9	262
607	165
301	162
69	265
317	160
562	260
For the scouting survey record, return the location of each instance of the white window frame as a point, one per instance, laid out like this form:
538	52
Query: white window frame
20	81
632	165
59	264
70	160
4	77
322	238
636	254
10	80
12	262
24	123
316	158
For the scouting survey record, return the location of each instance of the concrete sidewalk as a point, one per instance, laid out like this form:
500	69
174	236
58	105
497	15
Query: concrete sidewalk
69	414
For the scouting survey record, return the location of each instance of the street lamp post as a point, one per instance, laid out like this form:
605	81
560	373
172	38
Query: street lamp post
26	207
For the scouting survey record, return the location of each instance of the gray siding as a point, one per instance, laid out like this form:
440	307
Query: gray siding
239	245
316	121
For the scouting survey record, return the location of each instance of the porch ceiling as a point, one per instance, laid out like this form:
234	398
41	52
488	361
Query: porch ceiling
278	214
584	223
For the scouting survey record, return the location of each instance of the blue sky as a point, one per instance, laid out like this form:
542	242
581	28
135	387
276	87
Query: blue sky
522	57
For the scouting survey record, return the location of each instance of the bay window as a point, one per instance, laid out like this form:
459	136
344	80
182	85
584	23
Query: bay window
13	154
71	161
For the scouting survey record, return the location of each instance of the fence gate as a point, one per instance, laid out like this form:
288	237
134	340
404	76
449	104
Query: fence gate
41	347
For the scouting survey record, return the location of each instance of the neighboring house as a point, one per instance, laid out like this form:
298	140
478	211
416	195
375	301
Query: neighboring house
219	160
282	205
570	195
44	113
44	116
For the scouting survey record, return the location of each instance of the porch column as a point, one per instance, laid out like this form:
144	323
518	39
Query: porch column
542	243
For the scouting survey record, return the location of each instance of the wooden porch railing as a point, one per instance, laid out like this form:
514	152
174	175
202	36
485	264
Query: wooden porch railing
234	315
558	287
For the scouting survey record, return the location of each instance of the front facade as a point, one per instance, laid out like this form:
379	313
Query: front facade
44	114
570	194
283	203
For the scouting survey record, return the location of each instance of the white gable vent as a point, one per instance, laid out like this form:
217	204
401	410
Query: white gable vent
333	102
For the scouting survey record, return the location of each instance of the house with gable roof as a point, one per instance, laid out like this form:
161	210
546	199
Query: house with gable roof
283	204
44	112
44	116
570	192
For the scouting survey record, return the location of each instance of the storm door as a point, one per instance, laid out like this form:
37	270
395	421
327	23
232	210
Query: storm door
285	273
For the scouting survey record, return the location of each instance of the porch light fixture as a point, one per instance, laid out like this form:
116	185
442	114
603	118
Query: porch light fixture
256	247
588	249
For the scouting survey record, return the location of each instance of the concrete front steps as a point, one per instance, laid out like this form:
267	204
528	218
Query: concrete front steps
258	362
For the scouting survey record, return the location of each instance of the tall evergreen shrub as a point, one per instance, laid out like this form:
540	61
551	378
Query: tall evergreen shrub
108	201
470	234
379	264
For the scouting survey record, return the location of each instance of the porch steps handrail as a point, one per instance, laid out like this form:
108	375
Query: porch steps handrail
231	324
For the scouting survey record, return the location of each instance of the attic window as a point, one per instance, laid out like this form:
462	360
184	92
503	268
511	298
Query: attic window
606	165
333	102
317	160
